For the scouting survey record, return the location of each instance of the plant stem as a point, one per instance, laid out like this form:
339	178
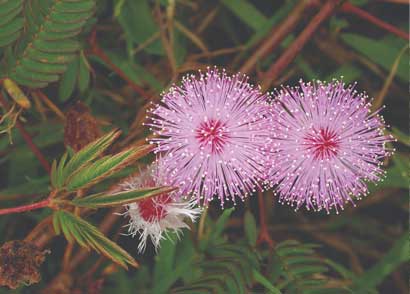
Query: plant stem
291	52
29	141
264	231
97	51
350	8
26	207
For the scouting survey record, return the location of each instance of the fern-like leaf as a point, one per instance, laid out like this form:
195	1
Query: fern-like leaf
228	269
299	270
48	44
88	236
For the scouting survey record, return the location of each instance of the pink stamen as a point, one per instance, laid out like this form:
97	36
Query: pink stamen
212	134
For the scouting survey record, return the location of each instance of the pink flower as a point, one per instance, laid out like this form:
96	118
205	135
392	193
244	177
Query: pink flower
211	132
326	145
156	216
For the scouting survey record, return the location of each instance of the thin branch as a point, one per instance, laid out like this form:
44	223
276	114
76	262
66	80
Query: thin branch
275	38
264	236
287	57
27	207
97	51
350	8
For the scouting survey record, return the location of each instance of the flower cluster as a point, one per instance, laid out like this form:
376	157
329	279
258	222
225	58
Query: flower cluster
217	135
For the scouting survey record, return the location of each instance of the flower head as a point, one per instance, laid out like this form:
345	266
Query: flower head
212	132
326	144
154	217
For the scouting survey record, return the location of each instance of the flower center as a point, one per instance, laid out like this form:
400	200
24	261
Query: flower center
212	134
323	143
153	208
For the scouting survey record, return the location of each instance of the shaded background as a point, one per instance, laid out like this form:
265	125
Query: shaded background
134	49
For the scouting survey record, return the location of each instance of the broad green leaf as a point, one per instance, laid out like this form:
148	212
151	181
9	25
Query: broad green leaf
88	236
378	52
83	73
402	137
121	198
349	72
68	80
397	255
248	13
221	222
135	72
136	19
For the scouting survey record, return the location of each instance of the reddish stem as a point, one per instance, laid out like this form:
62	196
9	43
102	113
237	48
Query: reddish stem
264	236
286	58
350	8
24	208
97	51
27	138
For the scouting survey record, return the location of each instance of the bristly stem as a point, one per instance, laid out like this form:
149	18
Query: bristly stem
27	207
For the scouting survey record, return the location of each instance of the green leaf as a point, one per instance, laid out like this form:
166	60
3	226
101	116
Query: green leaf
88	236
105	167
398	255
106	200
49	39
220	224
246	12
89	153
349	72
402	137
381	53
11	23
68	81
250	228
83	73
136	19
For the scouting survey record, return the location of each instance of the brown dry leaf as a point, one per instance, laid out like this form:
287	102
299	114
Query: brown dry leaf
81	127
19	263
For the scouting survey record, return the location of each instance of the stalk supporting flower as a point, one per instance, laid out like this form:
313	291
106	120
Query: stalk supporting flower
154	217
212	132
326	145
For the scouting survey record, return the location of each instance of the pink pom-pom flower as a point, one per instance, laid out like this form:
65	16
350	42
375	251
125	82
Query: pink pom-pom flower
211	132
156	216
326	145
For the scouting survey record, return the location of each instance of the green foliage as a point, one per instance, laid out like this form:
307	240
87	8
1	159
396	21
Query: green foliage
397	255
11	21
48	44
88	236
297	269
94	172
379	52
106	200
61	171
250	228
227	269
